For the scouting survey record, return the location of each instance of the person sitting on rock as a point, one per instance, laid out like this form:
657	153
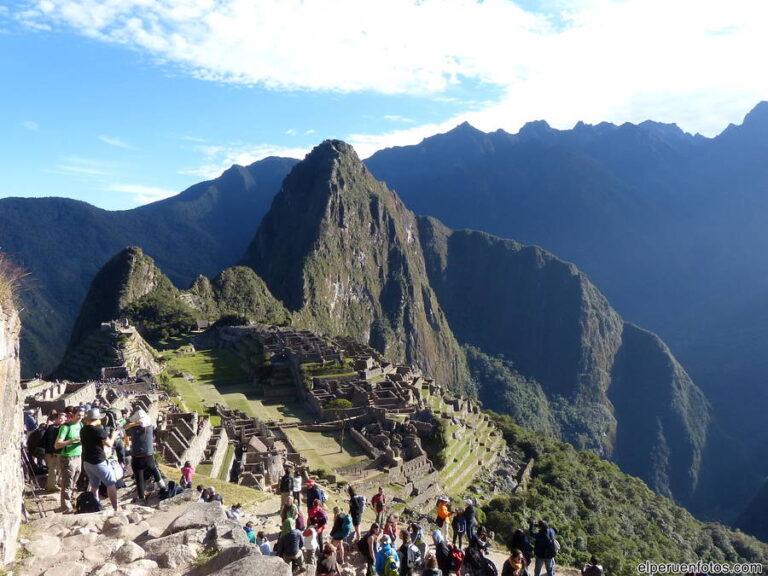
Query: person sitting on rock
263	543
212	496
328	565
187	471
248	528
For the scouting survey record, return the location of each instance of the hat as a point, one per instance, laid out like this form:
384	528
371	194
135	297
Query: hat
141	417
310	482
93	414
468	501
443	499
386	539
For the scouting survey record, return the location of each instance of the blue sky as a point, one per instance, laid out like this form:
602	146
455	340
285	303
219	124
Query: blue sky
122	102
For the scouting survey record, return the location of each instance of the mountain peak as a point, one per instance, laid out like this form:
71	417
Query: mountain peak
758	116
536	129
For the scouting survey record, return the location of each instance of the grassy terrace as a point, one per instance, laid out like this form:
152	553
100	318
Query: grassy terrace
219	378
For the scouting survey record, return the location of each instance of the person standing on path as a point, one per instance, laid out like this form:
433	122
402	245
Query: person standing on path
52	455
379	502
68	441
142	435
94	438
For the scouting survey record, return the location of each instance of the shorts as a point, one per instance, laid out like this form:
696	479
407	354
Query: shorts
100	473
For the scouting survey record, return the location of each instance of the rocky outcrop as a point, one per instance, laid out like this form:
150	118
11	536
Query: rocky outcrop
11	403
343	252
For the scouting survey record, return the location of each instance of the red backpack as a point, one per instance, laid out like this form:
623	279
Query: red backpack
457	558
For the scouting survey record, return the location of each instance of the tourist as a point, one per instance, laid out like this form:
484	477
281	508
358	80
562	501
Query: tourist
520	542
286	486
187	471
235	512
386	556
409	554
328	566
30	420
311	546
263	543
442	552
544	547
430	567
52	455
248	528
479	540
94	438
296	483
68	441
141	433
341	530
314	492
367	547
356	508
379	502
391	528
515	565
318	518
470	517
289	545
459	525
443	514
417	538
213	496
289	511
593	568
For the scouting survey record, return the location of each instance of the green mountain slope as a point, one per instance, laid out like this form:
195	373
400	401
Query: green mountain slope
63	244
608	385
342	252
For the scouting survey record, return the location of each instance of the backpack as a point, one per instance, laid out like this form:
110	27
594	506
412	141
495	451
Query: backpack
460	525
413	556
322	495
457	559
553	546
362	544
359	502
300	523
390	567
87	503
346	526
286	484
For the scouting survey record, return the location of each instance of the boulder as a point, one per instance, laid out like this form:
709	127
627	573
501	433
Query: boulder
139	568
128	553
79	542
225	534
105	570
114	524
67	569
179	556
197	515
159	546
43	546
244	561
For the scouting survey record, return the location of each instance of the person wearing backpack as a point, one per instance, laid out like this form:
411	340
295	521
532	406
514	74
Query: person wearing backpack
544	547
314	493
520	542
470	517
410	556
341	530
442	552
356	508
141	433
459	525
93	439
387	561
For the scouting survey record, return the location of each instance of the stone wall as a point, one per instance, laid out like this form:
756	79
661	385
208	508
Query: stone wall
11	424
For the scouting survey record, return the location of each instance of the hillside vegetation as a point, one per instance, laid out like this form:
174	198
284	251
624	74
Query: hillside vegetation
599	510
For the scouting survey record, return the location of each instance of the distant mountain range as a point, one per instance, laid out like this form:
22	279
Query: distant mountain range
670	227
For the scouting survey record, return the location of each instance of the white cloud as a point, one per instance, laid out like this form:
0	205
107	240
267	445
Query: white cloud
116	142
142	194
690	61
310	132
217	158
30	125
290	132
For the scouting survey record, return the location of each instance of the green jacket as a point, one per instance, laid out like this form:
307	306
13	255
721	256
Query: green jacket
68	432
